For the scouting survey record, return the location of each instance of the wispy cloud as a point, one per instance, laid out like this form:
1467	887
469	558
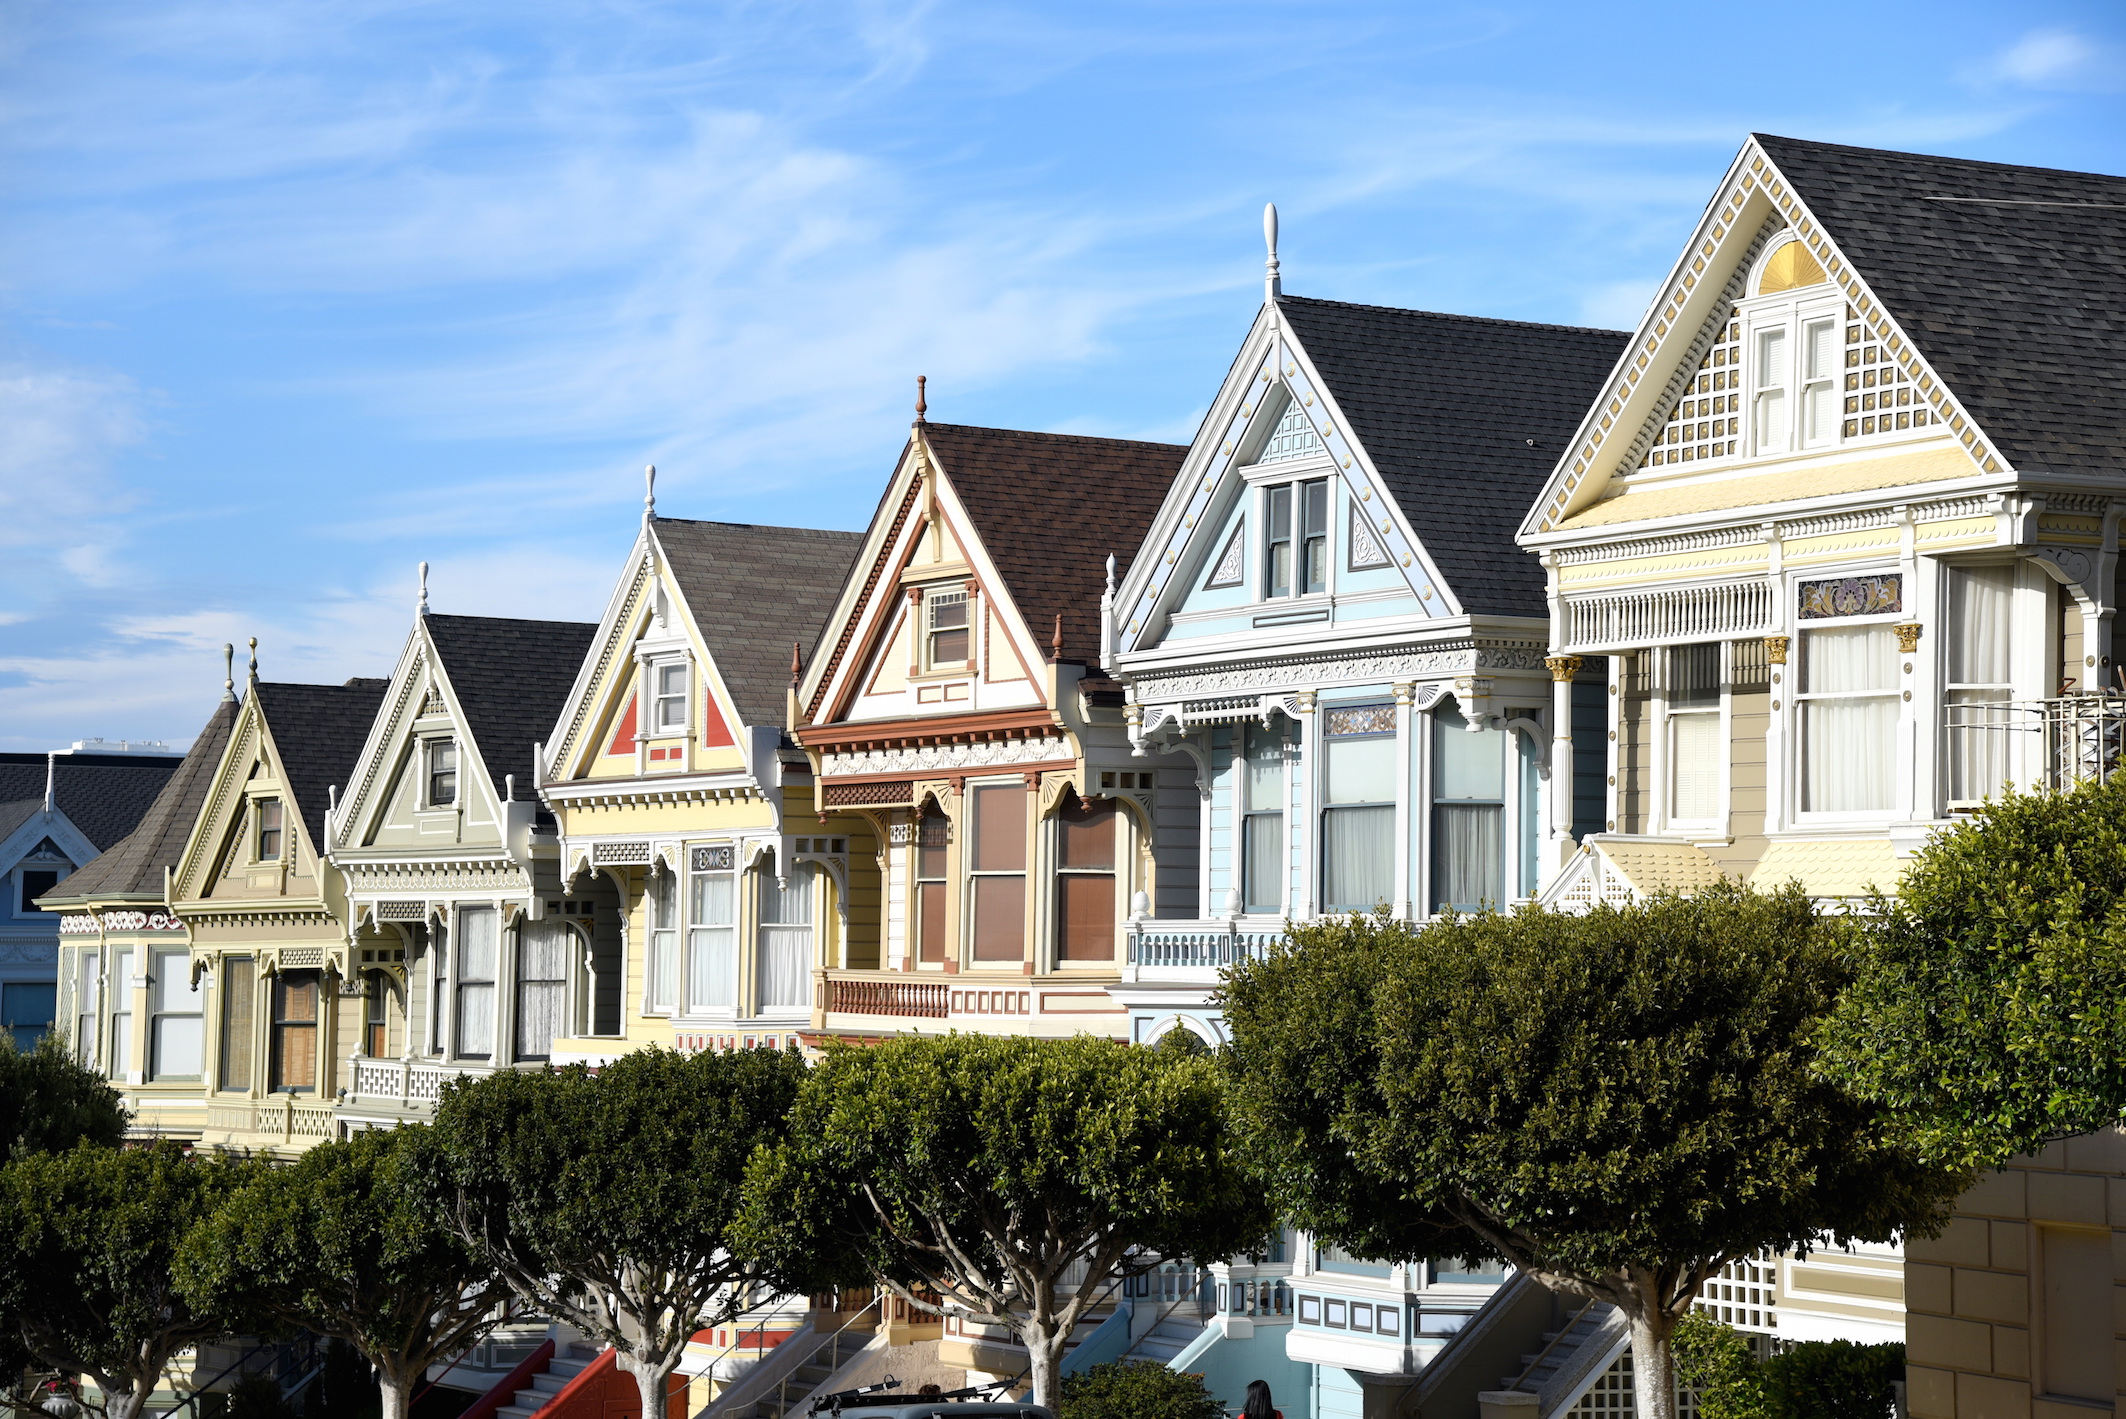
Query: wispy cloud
2062	59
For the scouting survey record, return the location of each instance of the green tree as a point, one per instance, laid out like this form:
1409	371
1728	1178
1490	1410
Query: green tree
49	1101
347	1243
1617	1104
1717	1362
1988	1010
607	1199
1137	1389
86	1261
1019	1179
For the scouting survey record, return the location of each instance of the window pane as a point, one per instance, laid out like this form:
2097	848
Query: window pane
1085	835
1846	748
1265	771
787	901
171	989
948	647
715	899
1466	857
121	1058
476	1020
1820	413
930	921
1821	350
1465	764
295	1030
1000	828
269	830
785	966
1771	359
479	933
1694	676
664	970
237	985
933	832
1978	624
672	680
1358	850
1085	917
87	1007
712	976
664	901
999	918
1362	770
1262	865
178	1039
1694	766
1856	658
1978	737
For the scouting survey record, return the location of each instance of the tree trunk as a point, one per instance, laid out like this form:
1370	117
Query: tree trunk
1653	1367
1044	1354
396	1391
653	1382
129	1403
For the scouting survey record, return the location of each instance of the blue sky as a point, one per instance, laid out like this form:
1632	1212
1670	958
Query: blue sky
293	296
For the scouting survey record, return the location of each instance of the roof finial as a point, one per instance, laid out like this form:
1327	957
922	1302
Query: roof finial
649	491
228	672
51	771
254	657
797	661
1272	283
420	607
1055	643
1110	571
921	408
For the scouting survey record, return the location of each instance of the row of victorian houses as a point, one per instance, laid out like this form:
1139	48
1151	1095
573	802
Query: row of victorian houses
1435	611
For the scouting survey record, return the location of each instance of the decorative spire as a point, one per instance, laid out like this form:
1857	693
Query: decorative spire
649	492
420	607
1272	282
1110	573
254	657
921	408
1055	643
797	662
228	673
51	774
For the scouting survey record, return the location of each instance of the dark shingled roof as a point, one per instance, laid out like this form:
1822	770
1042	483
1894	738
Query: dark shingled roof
101	794
319	731
134	866
2010	280
1049	508
1445	406
754	591
511	679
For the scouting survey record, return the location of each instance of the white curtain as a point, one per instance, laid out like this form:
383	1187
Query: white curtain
1856	658
786	939
120	1059
1262	871
179	1037
1358	851
1848	747
1978	625
1466	859
479	937
712	969
1694	759
542	985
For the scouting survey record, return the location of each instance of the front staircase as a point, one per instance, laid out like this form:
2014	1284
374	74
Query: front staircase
1172	1335
563	1367
1561	1351
795	1388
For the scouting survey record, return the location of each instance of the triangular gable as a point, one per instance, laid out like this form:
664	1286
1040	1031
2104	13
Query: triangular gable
1274	403
1691	324
214	857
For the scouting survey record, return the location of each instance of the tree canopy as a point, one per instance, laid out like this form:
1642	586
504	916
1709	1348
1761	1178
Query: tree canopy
344	1242
49	1100
1017	1178
1988	1009
607	1199
1618	1103
86	1260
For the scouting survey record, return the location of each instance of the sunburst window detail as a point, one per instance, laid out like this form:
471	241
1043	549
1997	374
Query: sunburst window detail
1706	423
1293	437
1880	398
1231	562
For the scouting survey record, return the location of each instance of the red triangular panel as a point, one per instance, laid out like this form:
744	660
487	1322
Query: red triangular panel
624	740
715	734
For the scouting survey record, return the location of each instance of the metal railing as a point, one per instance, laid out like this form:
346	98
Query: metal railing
1986	742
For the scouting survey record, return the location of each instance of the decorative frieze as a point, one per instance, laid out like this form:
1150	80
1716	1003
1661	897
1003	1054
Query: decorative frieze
375	880
1852	596
90	923
944	758
1663	617
1447	659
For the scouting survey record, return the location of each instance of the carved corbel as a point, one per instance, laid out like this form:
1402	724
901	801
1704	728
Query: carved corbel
1054	785
1473	693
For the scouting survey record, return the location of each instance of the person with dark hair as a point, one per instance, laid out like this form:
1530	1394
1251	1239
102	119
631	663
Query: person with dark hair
1258	1404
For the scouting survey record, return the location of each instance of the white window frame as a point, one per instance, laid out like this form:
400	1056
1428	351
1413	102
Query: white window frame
1293	481
706	860
663	933
764	881
1800	815
656	726
1665	717
1945	650
934	597
1789	313
1243	814
431	751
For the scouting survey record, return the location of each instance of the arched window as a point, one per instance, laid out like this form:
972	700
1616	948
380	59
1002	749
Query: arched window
1087	848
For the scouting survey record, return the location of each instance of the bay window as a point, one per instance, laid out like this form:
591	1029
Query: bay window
712	930
1086	836
1977	682
663	905
479	945
1262	855
933	830
239	995
786	938
1695	746
998	873
176	1030
542	985
121	987
1848	703
295	1032
1468	813
1358	817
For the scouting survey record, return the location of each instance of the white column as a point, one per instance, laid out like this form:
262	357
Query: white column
1408	811
1561	846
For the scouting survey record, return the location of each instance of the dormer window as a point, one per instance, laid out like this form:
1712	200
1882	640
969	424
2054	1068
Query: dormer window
1298	540
269	830
669	712
948	630
442	773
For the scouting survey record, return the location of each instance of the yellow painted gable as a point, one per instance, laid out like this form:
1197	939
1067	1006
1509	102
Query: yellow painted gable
1638	504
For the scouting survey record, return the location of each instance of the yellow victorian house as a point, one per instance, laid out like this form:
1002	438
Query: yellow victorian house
264	911
683	807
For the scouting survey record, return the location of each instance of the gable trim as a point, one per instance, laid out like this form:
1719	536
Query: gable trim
615	634
1753	175
823	673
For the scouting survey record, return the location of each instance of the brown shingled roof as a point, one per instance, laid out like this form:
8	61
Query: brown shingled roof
133	866
1050	508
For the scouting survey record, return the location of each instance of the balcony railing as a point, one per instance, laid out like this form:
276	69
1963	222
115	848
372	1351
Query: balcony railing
923	1000
1202	944
1986	743
403	1083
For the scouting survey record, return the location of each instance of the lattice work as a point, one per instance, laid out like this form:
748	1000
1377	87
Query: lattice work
1740	1294
1294	437
1707	422
1613	1396
1880	398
